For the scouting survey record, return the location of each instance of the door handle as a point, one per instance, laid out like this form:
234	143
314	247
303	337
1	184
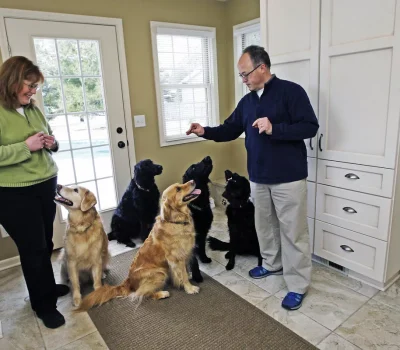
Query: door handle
121	144
319	142
352	176
350	210
311	147
346	248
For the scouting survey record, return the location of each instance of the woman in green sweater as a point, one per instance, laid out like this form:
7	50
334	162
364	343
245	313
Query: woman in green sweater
28	179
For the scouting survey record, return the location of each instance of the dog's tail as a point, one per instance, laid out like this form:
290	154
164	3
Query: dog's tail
104	294
216	244
111	236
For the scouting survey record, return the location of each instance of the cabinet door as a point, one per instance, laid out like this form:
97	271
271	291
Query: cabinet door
359	98
290	34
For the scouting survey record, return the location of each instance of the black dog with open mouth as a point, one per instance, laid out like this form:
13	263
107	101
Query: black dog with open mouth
137	211
241	225
201	211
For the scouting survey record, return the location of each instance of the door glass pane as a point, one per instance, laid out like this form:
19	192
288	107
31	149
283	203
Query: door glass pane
75	107
78	128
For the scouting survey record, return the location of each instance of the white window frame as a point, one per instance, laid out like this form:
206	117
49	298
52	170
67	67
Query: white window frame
184	29
238	31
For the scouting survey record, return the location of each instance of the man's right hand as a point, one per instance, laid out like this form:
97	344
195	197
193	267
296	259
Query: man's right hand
195	128
35	142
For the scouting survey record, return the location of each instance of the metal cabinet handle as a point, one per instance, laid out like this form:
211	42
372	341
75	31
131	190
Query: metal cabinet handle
311	147
319	142
350	210
346	248
352	176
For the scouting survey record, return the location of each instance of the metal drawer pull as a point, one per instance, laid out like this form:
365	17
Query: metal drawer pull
346	248
352	176
350	210
311	147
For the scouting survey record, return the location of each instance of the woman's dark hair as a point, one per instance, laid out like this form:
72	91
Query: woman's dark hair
13	72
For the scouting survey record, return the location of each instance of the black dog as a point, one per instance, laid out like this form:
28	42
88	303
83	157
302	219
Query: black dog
136	213
240	213
201	212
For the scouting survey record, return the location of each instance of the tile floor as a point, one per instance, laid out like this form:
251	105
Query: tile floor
338	313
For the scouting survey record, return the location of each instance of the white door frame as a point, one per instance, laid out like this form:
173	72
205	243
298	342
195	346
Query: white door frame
59	17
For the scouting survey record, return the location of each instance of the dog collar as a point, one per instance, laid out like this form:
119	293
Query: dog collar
240	205
193	206
141	188
178	222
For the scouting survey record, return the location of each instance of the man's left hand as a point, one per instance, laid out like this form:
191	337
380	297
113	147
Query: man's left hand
263	125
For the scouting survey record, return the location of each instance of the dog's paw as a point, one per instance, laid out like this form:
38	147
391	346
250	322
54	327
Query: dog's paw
230	266
77	300
191	289
131	244
205	259
197	278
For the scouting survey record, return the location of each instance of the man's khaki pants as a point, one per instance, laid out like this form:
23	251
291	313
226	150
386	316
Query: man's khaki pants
282	230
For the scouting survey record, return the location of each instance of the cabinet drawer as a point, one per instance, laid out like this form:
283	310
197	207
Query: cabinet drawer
360	178
355	211
357	252
311	199
311	223
312	169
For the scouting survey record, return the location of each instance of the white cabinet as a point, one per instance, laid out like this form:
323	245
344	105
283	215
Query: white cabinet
346	55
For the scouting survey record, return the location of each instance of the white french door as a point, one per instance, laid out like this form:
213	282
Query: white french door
83	102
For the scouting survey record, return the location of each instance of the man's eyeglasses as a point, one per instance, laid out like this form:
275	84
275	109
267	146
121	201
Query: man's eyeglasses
245	75
33	86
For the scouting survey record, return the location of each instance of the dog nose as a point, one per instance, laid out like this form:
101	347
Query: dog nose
207	159
59	187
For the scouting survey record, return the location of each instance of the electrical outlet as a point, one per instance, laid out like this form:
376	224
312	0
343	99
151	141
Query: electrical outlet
3	232
140	121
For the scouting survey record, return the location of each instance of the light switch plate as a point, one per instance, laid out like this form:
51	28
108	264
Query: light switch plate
140	121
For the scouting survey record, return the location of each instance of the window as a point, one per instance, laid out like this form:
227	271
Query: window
244	34
185	72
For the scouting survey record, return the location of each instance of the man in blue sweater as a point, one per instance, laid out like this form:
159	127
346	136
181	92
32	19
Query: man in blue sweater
276	117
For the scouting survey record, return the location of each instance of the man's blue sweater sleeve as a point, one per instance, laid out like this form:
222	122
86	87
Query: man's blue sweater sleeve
230	130
304	123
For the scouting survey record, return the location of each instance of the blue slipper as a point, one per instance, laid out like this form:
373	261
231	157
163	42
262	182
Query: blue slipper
261	272
292	301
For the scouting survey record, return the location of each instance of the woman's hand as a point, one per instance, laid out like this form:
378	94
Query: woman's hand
35	142
49	142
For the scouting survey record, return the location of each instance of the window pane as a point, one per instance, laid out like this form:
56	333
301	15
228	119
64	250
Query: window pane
180	44
78	130
65	167
94	94
164	43
90	58
52	96
98	129
102	161
46	56
59	126
107	193
83	165
69	59
74	95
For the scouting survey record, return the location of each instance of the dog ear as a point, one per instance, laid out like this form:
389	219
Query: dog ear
88	201
166	209
228	174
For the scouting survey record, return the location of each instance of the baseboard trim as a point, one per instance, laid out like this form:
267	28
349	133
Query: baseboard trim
11	262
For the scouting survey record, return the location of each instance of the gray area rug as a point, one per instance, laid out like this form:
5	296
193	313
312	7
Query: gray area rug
216	318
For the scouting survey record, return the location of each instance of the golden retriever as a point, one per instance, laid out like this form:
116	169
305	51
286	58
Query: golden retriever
166	252
85	242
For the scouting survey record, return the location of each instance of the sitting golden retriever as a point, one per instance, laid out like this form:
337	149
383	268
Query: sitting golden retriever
165	252
85	243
